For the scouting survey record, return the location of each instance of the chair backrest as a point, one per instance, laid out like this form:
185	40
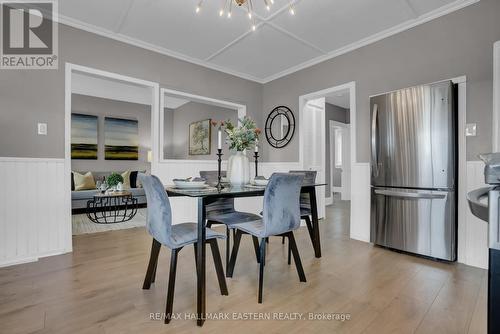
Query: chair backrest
309	178
159	219
281	203
222	205
212	176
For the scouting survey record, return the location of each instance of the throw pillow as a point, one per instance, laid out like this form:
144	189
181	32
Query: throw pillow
126	179
134	180
83	182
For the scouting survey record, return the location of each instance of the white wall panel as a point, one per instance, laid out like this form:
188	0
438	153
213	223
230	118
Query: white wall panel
34	211
360	202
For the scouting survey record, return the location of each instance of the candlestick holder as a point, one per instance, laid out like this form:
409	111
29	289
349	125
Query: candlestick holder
219	164
256	156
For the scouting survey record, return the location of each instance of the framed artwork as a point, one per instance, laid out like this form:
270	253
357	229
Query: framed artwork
200	139
83	136
121	139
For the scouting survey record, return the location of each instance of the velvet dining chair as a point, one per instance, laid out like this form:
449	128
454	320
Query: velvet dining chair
280	217
222	211
159	226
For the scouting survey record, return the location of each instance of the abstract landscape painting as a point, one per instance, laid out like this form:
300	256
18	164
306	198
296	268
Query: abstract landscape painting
121	139
83	137
200	138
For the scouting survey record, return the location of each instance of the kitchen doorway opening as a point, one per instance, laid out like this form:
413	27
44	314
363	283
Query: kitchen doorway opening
327	145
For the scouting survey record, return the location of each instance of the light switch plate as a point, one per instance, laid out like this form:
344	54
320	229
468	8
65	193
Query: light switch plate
470	129
42	129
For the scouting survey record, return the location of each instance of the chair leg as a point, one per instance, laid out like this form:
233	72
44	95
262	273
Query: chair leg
153	261
309	227
171	285
234	253
228	246
261	268
153	278
289	254
255	241
218	267
296	257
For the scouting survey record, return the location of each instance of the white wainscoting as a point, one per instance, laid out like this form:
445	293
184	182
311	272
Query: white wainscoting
185	209
360	202
35	219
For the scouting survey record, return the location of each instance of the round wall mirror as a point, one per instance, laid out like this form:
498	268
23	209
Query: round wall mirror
280	127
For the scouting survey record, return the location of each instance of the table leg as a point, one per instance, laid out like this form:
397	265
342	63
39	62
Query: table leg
315	224
200	263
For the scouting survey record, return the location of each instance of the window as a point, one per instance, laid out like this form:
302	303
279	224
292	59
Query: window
338	148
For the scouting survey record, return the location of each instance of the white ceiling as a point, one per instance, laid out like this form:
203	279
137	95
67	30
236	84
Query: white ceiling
340	98
282	44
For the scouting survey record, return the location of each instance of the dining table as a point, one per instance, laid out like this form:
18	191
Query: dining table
209	195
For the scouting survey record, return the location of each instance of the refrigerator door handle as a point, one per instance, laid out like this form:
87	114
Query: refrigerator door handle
417	195
374	140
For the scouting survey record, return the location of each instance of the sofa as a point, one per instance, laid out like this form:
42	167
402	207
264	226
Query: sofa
79	198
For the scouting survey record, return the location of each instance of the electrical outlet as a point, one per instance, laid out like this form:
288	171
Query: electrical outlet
42	129
470	130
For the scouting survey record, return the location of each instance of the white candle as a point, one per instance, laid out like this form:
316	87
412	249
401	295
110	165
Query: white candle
219	137
256	146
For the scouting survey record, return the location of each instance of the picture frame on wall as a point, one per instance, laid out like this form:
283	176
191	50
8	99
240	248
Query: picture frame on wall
84	136
121	139
200	137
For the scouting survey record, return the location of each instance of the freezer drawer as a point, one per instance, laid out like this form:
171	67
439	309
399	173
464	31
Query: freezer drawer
416	221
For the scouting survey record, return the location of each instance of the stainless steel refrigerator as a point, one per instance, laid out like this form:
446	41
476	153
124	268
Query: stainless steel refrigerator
414	170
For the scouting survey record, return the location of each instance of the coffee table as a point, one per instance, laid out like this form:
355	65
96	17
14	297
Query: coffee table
112	207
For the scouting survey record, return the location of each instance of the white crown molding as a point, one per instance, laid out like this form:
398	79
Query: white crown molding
151	47
447	9
442	11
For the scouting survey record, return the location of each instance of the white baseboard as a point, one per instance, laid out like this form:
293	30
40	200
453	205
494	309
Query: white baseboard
329	200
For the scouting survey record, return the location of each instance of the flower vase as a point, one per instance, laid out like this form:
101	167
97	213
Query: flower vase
238	169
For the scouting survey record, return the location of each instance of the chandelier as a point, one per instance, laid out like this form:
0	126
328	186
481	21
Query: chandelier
227	8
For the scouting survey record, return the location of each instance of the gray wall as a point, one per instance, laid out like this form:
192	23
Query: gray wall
28	97
339	114
176	129
460	43
457	44
105	107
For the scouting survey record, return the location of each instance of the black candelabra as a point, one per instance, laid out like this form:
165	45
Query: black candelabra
219	163
256	156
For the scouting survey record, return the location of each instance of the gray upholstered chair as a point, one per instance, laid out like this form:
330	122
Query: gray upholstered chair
175	237
281	216
222	211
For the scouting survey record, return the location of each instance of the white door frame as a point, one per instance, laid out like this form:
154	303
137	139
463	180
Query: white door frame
496	97
331	127
322	93
69	70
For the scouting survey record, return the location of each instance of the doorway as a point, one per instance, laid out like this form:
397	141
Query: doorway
110	129
340	163
327	144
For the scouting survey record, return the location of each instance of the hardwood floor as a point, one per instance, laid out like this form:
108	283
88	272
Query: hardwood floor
98	289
